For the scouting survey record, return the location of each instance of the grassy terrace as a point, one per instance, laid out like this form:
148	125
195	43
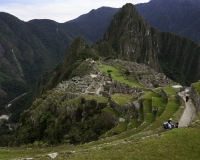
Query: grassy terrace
147	106
150	94
133	123
160	104
122	127
130	144
181	142
170	90
122	99
111	111
118	76
170	109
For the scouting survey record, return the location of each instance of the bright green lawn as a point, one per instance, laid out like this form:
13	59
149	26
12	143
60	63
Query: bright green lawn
111	111
116	75
150	94
147	105
176	144
170	90
122	99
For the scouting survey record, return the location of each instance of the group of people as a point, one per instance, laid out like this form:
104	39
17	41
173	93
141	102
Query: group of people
169	125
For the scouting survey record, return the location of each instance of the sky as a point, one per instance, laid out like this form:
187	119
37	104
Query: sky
57	10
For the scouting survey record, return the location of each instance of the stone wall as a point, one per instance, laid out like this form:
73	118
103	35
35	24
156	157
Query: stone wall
163	94
194	95
72	95
179	98
109	117
104	94
116	106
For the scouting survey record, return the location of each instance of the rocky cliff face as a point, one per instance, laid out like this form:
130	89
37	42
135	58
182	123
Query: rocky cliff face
195	95
132	38
180	58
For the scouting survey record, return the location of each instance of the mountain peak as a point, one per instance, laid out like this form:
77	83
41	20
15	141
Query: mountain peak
77	46
130	36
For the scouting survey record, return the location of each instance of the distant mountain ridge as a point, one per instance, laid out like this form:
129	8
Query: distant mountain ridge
28	49
176	16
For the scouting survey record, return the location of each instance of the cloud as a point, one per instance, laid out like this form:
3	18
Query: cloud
58	10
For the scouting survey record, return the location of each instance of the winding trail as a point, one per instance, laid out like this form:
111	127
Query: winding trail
189	113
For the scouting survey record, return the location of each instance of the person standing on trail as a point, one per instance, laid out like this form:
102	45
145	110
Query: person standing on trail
187	97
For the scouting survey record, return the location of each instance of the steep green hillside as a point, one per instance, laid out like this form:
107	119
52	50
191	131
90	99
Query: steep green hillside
23	58
91	103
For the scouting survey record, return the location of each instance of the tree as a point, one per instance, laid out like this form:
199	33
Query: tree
109	73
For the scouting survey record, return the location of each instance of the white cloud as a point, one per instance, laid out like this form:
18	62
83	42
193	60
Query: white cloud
58	10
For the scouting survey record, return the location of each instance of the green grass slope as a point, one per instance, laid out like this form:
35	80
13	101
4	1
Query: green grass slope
182	143
145	140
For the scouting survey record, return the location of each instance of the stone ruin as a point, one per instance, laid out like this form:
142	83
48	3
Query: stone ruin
144	74
97	83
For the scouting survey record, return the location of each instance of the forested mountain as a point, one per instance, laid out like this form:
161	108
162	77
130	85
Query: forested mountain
64	103
177	16
28	49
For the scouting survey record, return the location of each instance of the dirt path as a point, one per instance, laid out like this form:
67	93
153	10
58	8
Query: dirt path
189	113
